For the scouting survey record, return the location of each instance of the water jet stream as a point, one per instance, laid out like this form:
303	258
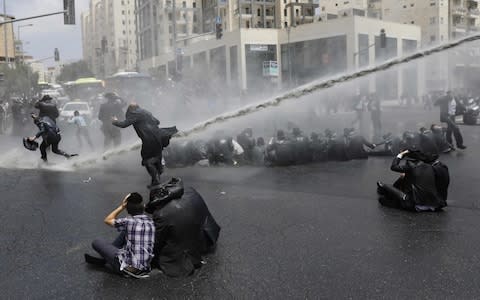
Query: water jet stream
292	95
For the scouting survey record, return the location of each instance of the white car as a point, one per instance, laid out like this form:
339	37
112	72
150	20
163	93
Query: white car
66	112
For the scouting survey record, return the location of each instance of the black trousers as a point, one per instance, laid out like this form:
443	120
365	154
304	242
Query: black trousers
453	128
392	196
51	140
154	168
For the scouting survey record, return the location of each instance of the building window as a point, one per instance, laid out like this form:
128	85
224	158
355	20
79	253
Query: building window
194	4
285	12
247	24
285	24
184	4
259	12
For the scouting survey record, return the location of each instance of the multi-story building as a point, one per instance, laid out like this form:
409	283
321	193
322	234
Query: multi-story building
441	21
109	36
7	44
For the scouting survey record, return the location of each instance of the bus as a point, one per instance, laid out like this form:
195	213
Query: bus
131	85
84	88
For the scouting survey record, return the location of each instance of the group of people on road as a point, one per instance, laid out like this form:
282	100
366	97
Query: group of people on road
174	229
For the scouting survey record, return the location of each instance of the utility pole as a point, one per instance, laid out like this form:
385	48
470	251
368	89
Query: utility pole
5	31
174	28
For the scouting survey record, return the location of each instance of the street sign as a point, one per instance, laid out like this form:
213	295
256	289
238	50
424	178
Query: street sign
262	48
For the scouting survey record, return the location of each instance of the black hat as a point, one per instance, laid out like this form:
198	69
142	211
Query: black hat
30	145
46	98
163	193
111	95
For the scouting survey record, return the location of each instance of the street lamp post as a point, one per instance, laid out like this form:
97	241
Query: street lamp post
20	40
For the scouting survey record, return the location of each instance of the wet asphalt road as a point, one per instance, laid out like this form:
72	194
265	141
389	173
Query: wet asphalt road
312	231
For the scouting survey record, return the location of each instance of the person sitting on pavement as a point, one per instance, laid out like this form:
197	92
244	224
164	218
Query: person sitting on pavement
185	228
132	251
355	145
423	185
50	134
247	141
47	108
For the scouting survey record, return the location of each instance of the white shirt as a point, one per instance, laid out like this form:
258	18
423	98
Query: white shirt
452	107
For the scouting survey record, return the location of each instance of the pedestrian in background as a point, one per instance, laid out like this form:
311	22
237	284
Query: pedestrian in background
82	129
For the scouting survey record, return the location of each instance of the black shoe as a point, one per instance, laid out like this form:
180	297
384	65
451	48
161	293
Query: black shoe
68	156
98	261
134	272
463	147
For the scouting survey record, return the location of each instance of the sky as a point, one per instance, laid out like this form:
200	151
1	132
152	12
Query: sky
48	33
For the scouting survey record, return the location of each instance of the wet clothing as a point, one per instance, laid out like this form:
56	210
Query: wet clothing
112	134
185	230
247	143
423	187
50	134
82	130
108	251
153	139
354	147
137	250
47	109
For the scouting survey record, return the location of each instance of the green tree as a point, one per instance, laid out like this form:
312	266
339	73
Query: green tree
19	80
73	71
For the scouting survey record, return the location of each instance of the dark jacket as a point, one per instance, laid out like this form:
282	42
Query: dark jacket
47	109
421	182
108	110
46	128
184	231
355	147
146	127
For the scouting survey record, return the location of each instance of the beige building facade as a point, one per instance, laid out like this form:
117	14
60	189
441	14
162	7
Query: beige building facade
299	54
109	36
10	41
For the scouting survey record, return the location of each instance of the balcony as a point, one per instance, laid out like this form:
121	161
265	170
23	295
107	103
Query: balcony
474	12
246	16
459	11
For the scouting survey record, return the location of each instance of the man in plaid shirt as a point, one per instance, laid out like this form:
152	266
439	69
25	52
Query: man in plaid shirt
132	251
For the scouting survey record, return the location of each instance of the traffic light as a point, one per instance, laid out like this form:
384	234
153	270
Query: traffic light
56	55
219	30
69	16
383	39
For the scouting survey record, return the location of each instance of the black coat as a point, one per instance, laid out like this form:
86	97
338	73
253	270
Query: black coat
146	127
422	182
109	110
47	109
184	231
